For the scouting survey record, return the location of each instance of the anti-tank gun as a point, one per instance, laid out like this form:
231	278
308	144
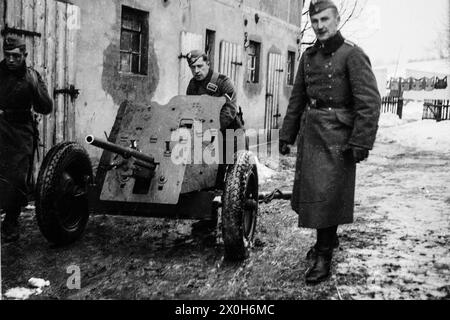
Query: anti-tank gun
129	160
140	173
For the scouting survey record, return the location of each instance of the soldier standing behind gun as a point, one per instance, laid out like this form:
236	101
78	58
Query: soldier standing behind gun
334	110
207	82
21	88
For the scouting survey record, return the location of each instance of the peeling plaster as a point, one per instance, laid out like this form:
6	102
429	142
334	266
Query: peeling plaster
124	86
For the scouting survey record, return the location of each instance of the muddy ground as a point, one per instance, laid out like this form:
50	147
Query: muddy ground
398	247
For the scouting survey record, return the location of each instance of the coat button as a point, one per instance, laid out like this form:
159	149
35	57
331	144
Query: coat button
329	87
329	76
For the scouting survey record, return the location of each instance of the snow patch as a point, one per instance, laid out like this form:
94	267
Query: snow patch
38	283
389	120
264	172
413	132
20	293
424	135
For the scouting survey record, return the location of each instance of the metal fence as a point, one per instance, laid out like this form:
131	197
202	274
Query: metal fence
392	105
438	110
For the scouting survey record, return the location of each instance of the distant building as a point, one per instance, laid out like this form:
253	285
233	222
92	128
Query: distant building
429	68
96	54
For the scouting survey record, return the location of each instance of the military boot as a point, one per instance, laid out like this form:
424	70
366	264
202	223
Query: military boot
205	230
10	226
322	255
321	269
312	252
204	227
10	231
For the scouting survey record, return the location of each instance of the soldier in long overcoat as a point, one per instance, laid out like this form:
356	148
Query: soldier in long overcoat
21	89
334	111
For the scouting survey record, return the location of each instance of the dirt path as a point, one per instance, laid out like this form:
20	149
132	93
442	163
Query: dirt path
398	247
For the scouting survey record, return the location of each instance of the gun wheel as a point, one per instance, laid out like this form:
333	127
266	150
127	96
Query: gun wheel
240	206
62	209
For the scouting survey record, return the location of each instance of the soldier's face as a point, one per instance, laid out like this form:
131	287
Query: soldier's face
200	69
325	24
14	58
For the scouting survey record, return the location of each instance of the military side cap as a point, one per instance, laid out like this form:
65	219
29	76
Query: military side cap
318	6
193	56
12	42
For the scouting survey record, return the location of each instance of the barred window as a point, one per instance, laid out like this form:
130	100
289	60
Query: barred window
253	61
134	41
290	68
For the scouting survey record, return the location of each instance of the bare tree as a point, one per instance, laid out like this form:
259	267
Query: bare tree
448	31
349	10
441	43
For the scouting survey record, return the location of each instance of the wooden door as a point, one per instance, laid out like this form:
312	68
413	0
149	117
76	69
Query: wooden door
230	59
272	114
189	41
49	28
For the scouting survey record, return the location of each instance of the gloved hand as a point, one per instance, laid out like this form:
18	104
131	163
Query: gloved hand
359	154
284	148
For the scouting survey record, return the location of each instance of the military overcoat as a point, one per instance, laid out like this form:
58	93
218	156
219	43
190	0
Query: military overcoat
335	103
19	92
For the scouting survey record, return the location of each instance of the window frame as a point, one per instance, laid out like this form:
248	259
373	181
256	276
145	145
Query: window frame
253	62
290	67
140	19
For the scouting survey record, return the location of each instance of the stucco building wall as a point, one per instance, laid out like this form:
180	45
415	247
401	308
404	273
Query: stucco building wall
103	87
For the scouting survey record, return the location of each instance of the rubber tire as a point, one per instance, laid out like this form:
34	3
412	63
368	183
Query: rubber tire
63	156
240	176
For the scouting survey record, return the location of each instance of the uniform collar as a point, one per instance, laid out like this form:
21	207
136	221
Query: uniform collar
329	46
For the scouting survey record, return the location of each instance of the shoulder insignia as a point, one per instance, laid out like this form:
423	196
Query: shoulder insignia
350	43
212	87
222	77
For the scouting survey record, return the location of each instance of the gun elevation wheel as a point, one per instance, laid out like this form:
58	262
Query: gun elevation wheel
240	206
62	209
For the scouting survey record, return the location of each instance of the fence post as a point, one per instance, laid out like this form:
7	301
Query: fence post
425	110
400	107
439	110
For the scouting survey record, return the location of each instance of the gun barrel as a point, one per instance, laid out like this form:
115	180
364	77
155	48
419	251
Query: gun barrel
123	151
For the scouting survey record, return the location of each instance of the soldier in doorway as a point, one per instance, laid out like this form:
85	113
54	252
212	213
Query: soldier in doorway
21	89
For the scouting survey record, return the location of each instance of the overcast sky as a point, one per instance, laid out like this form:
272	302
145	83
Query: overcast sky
399	29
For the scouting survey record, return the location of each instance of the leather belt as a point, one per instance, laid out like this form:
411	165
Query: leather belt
320	104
